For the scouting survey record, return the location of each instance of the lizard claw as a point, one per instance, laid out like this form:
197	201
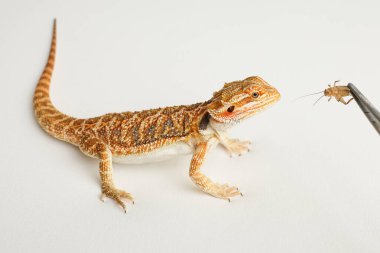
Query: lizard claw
117	195
237	147
223	191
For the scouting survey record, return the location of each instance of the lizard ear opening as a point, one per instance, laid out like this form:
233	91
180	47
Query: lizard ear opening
204	121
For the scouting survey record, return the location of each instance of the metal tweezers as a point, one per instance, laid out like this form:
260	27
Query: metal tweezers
372	114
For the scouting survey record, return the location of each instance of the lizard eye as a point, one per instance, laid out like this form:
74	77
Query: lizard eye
231	108
255	95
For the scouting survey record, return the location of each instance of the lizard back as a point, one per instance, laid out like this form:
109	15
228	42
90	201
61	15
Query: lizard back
142	131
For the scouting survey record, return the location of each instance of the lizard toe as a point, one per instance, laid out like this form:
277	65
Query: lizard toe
117	195
224	191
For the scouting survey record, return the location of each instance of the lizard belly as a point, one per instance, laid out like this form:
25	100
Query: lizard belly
160	154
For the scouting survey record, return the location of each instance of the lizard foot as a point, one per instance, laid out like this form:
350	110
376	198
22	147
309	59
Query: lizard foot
224	191
117	195
237	147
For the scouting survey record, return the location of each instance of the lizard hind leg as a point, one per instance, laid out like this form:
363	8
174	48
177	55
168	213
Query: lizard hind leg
222	191
97	149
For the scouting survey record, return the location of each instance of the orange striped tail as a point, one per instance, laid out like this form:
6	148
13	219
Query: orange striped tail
51	120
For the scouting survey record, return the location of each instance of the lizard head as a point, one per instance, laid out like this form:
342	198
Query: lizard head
241	99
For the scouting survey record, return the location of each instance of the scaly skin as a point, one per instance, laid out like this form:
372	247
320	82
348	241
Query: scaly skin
201	126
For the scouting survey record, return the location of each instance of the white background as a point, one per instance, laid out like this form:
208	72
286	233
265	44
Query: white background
311	182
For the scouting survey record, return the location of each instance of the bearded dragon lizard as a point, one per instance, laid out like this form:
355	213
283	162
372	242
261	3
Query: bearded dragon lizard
157	134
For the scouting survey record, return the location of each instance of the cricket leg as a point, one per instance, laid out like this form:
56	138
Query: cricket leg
95	148
349	100
204	183
344	102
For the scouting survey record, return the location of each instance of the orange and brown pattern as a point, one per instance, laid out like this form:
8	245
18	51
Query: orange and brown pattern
143	131
200	125
123	133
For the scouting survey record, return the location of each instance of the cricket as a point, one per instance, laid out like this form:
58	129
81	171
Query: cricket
336	91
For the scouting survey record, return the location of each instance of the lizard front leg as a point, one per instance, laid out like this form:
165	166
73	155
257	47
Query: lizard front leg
207	185
96	148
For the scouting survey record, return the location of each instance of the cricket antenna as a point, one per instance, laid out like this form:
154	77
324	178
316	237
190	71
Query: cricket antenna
318	100
309	95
